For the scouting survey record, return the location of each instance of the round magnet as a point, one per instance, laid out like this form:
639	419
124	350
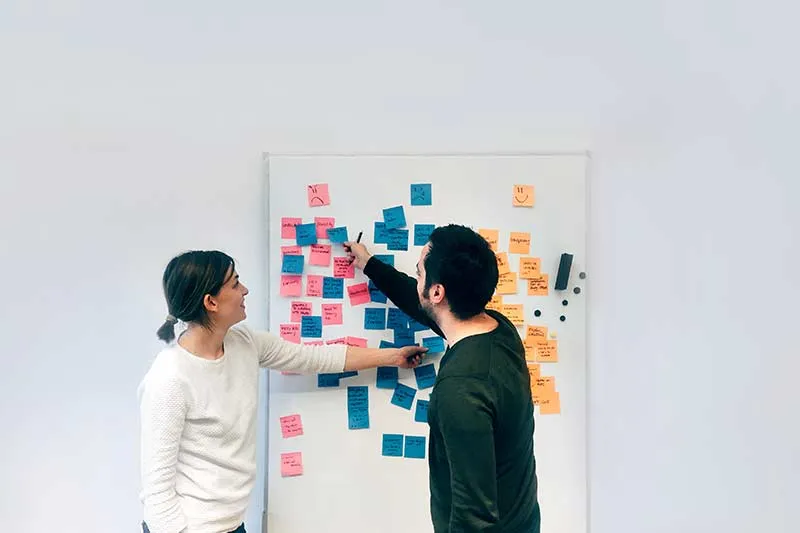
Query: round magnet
576	290
562	318
537	313
582	275
564	302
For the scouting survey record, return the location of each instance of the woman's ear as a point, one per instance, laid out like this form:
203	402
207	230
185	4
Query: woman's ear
209	303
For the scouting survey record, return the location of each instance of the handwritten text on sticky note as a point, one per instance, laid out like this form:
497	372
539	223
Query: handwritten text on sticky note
320	255
507	283
323	225
291	464
421	194
306	234
547	352
343	268
291	426
299	310
537	286
529	267
290	332
331	314
519	242
492	236
313	285
291	285
375	318
394	217
502	263
288	227
514	313
359	293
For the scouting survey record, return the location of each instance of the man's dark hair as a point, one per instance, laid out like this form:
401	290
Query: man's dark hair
463	262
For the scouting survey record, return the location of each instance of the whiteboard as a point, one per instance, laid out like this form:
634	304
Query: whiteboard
346	484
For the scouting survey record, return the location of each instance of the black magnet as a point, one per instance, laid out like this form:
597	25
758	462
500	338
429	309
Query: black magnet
537	313
563	272
564	302
582	275
562	318
576	290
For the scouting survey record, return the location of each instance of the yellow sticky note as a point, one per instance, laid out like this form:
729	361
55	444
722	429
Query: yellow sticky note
502	263
547	351
534	371
496	303
523	196
550	405
529	267
519	243
538	286
507	283
492	236
536	333
514	313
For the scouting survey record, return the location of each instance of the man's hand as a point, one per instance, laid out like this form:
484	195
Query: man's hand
405	357
357	253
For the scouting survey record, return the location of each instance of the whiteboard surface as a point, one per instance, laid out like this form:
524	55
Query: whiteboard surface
347	485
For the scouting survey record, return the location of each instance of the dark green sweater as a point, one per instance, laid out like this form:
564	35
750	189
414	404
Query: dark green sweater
480	452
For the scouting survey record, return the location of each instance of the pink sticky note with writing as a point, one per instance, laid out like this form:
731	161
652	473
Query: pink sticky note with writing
291	332
291	464
331	314
300	309
318	195
313	285
356	341
343	268
323	224
340	340
288	224
359	294
291	426
291	285
314	343
320	255
291	250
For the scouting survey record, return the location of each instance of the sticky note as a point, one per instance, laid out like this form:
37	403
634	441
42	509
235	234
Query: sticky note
550	405
394	217
421	414
534	371
348	374
426	376
359	293
502	263
292	264
392	445
530	348
386	377
547	351
318	195
496	303
375	318
375	295
340	340
332	287
291	426
421	194
291	464
328	380
300	309
291	285
306	234
545	386
313	285
287	227
361	342
338	234
386	258
397	239
415	447
358	407
492	236
290	332
433	344
311	326
343	268
381	233
396	319
404	337
386	344
331	314
507	283
522	196
313	343
320	255
537	286
403	396
519	242
323	225
514	313
291	250
415	326
536	332
529	267
422	232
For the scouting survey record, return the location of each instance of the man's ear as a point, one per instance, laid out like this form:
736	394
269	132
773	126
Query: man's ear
437	293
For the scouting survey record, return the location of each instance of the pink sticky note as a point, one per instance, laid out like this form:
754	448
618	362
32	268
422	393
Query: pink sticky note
291	332
323	224
291	285
318	195
300	309
320	255
331	314
343	268
359	293
291	464
291	426
314	343
340	340
356	341
288	224
287	373
313	285
291	250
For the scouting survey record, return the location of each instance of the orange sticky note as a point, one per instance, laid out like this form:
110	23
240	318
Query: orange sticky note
529	267
313	285
318	195
291	464
537	286
507	283
331	314
496	303
323	225
320	255
544	387
547	351
291	285
530	349
522	196
343	268
300	309
536	332
288	230
492	236
502	263
535	372
291	426
291	333
514	313
550	405
291	250
519	242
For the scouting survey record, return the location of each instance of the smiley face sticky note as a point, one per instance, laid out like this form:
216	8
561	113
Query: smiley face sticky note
318	195
522	196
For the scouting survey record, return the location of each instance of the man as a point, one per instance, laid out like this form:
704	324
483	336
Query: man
482	466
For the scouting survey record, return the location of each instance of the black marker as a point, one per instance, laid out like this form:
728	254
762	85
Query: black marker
359	236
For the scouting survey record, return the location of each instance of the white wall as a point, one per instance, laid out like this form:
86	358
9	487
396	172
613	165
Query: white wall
128	134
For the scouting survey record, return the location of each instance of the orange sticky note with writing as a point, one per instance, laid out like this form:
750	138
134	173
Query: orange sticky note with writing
534	371
519	242
550	405
547	351
523	196
537	286
543	387
291	464
529	267
536	333
502	263
507	283
496	303
530	349
514	313
492	236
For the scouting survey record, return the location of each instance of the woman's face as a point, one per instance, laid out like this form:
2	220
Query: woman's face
227	307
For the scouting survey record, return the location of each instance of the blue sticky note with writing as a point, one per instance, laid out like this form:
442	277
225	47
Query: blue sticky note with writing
375	318
415	447
397	239
426	376
394	217
386	258
311	326
421	414
413	325
422	232
306	234
348	374
381	233
403	396
292	264
392	445
404	337
386	344
376	295
328	380
387	377
358	407
433	344
332	287
397	319
337	234
421	194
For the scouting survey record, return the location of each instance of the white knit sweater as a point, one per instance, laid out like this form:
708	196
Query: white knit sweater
198	428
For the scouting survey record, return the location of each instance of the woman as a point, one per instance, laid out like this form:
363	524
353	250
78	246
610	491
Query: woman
199	398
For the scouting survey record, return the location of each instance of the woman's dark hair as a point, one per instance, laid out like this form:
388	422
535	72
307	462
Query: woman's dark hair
187	279
462	261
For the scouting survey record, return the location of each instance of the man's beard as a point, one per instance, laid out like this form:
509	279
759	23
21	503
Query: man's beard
427	306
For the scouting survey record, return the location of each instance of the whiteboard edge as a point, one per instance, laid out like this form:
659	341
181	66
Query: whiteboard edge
265	265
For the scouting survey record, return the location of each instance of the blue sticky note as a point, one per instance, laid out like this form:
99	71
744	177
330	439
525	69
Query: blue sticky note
381	233
375	295
311	326
306	234
403	396
394	217
358	407
332	287
422	232
421	194
397	319
386	258
404	337
392	445
292	264
348	374
426	376
415	447
375	318
387	377
386	344
338	234
397	239
413	325
433	344
421	414
327	380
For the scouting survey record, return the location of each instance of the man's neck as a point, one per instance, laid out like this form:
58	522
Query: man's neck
455	329
202	342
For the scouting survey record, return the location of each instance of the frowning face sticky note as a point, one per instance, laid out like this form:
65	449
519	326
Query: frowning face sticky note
522	196
519	243
529	267
318	195
492	236
421	194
